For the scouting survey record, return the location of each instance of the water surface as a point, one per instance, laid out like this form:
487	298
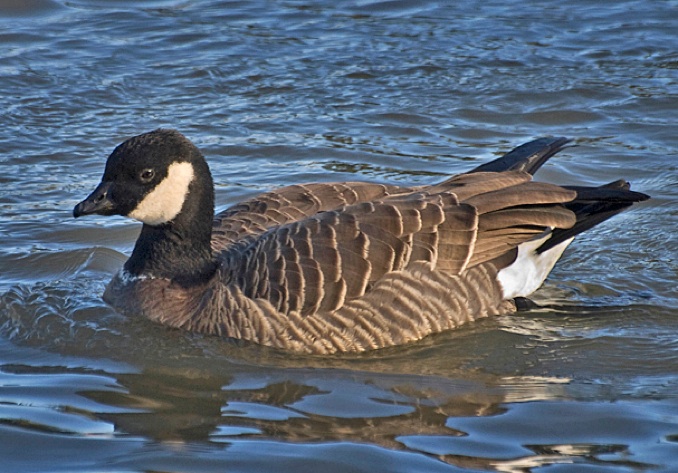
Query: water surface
280	92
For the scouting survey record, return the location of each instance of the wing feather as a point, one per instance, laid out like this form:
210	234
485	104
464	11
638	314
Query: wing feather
328	257
336	256
255	216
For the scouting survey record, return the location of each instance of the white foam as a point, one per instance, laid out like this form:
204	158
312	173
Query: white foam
528	272
126	277
164	203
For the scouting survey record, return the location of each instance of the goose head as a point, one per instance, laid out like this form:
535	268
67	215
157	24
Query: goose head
161	179
149	178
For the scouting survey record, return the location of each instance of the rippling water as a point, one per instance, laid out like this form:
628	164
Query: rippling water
279	92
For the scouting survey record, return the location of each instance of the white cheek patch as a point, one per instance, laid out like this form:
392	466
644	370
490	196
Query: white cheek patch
164	203
530	269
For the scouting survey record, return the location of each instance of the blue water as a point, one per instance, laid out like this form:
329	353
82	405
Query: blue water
281	92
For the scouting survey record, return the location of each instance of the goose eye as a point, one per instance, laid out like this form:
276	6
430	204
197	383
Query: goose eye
146	175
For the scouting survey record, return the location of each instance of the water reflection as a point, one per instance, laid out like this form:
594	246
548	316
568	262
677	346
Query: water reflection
456	422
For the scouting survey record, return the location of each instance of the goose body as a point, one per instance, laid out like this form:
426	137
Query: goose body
338	267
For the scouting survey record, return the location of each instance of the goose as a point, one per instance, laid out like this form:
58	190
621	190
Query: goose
342	267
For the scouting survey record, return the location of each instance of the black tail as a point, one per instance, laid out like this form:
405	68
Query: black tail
528	157
592	206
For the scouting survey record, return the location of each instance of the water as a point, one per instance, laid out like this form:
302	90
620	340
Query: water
284	92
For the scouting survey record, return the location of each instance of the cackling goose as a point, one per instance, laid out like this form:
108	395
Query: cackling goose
338	267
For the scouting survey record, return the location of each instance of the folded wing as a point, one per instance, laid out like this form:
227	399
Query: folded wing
320	262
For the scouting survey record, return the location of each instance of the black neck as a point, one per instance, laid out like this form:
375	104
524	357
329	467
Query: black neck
169	252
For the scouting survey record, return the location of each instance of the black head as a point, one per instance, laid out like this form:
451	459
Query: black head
149	178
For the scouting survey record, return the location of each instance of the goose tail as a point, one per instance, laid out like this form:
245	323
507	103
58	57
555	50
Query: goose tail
528	157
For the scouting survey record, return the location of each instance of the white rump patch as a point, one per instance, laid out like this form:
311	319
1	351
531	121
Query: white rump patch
530	269
164	203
